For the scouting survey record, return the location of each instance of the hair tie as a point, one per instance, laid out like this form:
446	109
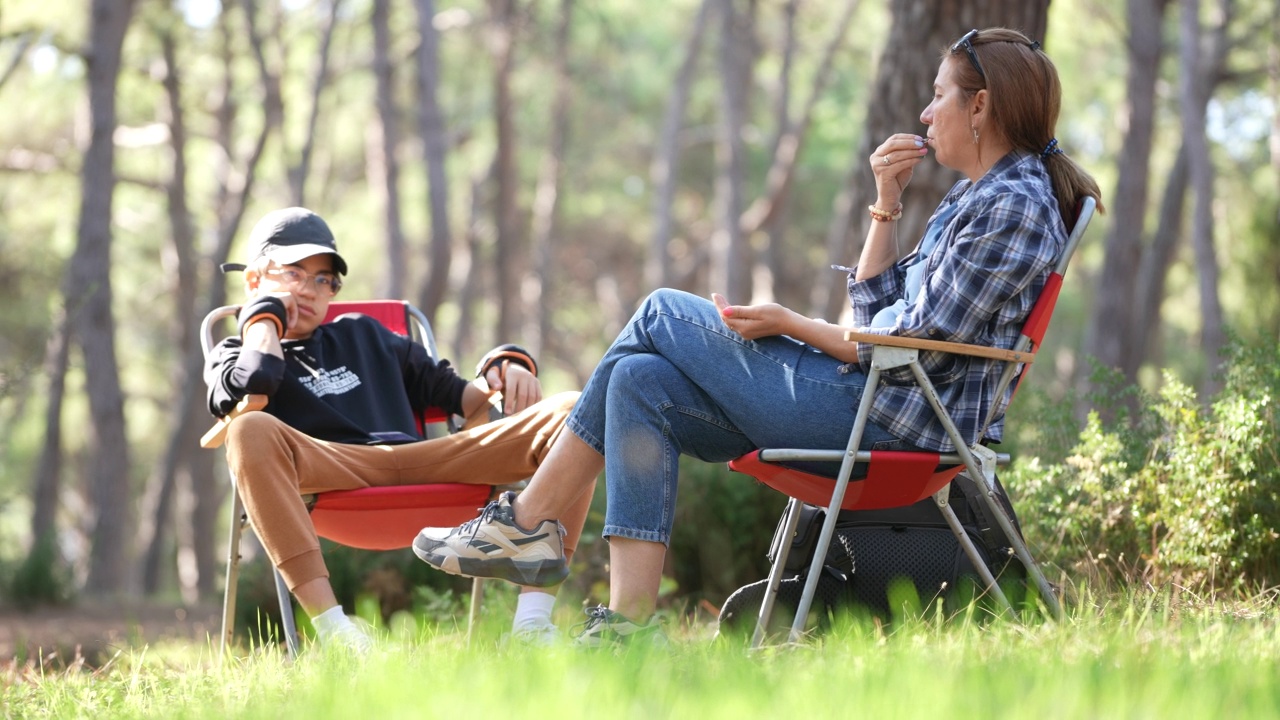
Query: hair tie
1035	45
1050	149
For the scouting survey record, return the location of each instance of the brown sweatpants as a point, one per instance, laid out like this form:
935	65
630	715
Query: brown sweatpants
275	465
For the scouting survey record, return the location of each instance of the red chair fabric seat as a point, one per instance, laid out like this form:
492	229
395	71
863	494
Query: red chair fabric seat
388	518
894	479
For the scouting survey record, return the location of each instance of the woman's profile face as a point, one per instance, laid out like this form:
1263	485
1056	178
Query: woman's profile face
949	119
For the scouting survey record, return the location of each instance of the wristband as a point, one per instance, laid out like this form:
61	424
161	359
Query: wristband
267	307
506	353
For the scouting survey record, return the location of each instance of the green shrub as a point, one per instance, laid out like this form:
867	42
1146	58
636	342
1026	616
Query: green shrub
724	523
1169	489
43	578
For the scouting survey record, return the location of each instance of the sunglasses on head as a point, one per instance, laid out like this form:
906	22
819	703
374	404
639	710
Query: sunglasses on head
966	43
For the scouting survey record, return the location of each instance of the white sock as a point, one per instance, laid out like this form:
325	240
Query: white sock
533	609
330	622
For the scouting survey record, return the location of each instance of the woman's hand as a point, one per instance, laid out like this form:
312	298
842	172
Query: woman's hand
519	387
893	163
755	321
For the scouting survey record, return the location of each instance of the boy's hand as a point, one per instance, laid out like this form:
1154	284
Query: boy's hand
519	387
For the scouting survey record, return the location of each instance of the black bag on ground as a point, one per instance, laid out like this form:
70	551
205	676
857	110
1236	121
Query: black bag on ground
873	551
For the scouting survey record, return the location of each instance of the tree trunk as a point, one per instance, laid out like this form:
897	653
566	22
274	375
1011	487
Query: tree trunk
473	287
539	286
507	250
664	168
1154	269
47	484
730	254
193	469
1194	93
791	139
87	290
157	507
771	261
434	147
298	174
383	163
904	76
1273	73
1111	318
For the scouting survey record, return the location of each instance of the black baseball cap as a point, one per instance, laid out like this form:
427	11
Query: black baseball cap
288	235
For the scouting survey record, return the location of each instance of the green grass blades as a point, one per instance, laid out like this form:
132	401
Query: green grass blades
1144	656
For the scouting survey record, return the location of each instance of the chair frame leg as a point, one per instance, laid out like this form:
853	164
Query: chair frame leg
233	572
943	502
285	598
833	509
785	536
473	612
286	614
983	473
986	482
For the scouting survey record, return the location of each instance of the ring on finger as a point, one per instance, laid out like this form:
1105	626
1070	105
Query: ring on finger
884	159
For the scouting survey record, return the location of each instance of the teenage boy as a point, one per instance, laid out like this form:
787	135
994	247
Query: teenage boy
343	398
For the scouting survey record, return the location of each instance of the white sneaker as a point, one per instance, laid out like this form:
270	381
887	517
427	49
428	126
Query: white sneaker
494	546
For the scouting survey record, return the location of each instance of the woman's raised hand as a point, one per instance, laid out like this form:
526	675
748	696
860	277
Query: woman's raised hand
892	163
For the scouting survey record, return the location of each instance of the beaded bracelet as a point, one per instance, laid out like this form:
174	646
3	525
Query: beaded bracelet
880	215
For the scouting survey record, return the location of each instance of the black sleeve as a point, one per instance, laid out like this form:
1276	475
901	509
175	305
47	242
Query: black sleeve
430	383
232	372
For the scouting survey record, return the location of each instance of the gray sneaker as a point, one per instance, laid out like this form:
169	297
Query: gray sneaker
606	628
494	546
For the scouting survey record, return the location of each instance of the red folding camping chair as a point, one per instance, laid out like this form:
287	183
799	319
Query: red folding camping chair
376	518
896	479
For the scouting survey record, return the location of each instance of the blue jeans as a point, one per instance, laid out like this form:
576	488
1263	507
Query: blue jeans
678	381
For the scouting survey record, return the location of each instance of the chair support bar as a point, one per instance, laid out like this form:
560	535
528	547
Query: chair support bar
784	455
982	475
833	510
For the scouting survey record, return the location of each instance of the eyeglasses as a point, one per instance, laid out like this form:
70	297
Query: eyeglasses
966	42
326	283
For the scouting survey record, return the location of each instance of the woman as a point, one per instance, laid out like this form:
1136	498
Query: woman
716	381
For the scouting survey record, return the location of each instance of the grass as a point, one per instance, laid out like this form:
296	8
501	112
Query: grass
1149	655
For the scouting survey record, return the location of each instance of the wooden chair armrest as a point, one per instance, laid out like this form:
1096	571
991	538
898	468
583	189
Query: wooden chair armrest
216	434
940	346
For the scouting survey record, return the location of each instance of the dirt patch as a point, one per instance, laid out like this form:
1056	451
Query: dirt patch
97	631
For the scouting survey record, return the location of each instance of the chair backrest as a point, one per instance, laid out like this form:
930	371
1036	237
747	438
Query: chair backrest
399	317
1037	323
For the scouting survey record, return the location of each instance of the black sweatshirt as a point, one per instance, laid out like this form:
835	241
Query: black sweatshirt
352	381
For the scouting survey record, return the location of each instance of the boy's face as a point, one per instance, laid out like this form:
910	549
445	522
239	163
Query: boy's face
311	282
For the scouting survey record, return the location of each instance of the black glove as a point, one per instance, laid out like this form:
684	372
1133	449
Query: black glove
507	353
267	306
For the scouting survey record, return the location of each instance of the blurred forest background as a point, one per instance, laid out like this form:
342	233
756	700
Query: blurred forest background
526	170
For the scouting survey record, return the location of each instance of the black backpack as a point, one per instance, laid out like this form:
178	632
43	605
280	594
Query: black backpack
873	552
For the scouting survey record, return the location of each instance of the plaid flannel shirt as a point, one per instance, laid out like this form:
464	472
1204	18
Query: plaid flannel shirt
980	284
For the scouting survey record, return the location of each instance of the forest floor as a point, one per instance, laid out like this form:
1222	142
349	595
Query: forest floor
96	631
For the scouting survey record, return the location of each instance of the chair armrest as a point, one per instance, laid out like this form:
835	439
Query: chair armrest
940	346
216	434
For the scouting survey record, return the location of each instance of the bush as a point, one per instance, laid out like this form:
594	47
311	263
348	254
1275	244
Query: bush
44	578
724	523
1170	490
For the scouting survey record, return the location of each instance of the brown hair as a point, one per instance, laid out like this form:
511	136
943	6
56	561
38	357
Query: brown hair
1025	97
